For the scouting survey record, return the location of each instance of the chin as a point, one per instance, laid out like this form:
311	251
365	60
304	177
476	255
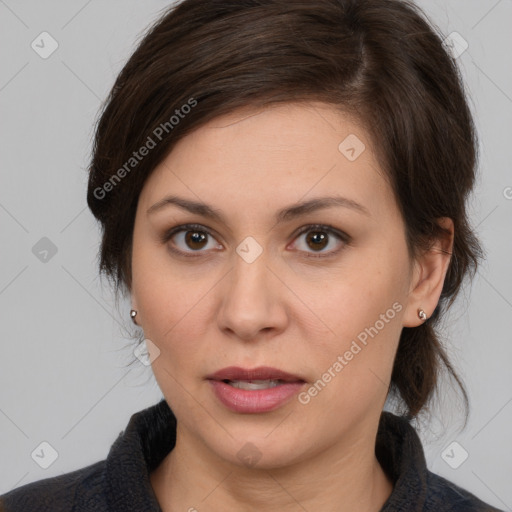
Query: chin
253	448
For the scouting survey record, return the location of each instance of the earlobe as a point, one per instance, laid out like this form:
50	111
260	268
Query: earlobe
428	277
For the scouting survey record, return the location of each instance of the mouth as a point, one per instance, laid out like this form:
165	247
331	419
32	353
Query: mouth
257	390
254	384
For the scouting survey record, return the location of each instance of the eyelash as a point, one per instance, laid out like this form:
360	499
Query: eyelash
346	239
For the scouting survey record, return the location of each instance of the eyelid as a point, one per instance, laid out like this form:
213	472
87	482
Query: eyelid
344	237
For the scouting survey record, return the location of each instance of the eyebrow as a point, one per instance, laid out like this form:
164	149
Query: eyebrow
286	214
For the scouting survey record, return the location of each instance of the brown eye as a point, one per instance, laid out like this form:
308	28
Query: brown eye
318	238
189	240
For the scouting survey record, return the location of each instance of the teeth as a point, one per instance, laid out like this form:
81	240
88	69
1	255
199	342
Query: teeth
254	384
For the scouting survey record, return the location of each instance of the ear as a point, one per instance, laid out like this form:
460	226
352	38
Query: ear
428	276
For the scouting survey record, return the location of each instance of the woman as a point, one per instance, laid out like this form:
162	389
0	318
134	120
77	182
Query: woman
282	191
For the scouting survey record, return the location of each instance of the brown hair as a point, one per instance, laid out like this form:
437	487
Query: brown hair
379	60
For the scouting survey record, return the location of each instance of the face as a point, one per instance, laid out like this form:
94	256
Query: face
318	292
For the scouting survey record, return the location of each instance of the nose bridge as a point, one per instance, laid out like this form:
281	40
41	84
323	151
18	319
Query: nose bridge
250	269
249	304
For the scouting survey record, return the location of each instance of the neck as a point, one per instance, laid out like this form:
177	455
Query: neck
341	479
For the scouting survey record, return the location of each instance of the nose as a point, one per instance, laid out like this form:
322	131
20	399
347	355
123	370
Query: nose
252	301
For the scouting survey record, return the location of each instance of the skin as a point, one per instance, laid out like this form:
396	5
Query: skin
283	310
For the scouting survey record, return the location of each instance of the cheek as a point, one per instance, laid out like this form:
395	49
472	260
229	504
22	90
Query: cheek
162	292
356	294
360	310
174	312
174	305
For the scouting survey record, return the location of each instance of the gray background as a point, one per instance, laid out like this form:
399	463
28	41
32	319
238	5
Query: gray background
64	377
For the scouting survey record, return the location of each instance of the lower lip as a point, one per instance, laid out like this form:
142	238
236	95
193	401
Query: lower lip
254	401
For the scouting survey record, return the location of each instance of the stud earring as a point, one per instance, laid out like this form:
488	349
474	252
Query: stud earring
133	314
422	314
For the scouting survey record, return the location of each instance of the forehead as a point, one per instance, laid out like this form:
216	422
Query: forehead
268	157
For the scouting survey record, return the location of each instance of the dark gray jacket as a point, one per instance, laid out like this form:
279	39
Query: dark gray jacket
120	483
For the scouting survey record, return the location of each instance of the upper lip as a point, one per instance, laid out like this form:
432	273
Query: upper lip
259	373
